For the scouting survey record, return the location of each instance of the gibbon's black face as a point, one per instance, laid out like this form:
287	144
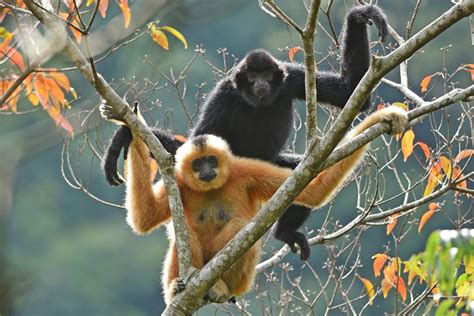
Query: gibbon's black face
259	78
205	167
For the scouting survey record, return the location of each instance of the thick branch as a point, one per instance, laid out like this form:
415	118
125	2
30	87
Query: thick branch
164	159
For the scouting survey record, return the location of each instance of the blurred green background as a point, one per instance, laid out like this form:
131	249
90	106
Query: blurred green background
63	253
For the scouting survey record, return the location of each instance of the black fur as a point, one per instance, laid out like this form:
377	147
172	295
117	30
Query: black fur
259	126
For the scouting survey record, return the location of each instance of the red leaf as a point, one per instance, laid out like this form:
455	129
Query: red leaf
292	52
104	4
425	149
401	288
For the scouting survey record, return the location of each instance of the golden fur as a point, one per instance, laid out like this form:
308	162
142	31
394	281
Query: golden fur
216	212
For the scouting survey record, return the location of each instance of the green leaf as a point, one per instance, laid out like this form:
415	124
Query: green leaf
443	307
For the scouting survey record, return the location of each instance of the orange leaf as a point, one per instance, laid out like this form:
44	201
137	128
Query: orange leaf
424	219
127	13
61	79
55	92
60	120
425	82
401	288
407	144
13	56
41	90
369	287
380	106
425	149
292	52
104	4
391	225
464	154
379	262
159	37
433	206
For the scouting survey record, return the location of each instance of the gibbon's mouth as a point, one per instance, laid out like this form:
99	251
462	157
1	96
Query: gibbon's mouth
207	177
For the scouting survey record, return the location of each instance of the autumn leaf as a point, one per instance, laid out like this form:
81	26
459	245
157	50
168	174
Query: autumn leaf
407	144
391	224
60	120
463	154
401	288
4	33
369	287
401	105
386	286
61	79
176	34
379	262
433	206
425	82
425	218
469	68
159	37
104	4
425	149
13	56
380	106
446	164
127	13
457	173
434	178
292	52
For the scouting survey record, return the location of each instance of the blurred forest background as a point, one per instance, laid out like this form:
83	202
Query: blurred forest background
63	253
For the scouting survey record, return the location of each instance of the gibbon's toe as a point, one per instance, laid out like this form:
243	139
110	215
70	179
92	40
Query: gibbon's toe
219	293
397	117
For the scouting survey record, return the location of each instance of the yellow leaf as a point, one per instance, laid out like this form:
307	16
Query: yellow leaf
425	82
159	37
292	52
89	2
401	105
425	149
386	286
407	144
433	179
391	225
379	262
469	264
127	13
463	154
4	33
446	164
424	219
33	99
176	34
369	288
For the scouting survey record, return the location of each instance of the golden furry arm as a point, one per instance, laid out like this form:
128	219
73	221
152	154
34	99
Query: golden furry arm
267	178
147	206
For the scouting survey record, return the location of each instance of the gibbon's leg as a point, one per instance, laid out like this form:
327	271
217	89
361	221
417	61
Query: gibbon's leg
172	284
240	276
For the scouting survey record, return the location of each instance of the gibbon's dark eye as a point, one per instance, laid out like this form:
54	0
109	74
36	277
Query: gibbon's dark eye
251	76
268	75
197	163
212	161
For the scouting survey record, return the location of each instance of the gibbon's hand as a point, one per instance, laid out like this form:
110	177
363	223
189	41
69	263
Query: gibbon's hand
371	13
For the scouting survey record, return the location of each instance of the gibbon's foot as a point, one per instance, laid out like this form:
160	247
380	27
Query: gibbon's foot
366	14
177	285
294	237
219	293
397	117
110	114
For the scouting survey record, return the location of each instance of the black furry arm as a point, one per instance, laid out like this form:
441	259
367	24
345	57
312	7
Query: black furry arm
288	160
336	88
121	139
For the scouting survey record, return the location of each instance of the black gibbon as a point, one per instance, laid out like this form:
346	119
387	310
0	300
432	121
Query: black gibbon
252	109
221	193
